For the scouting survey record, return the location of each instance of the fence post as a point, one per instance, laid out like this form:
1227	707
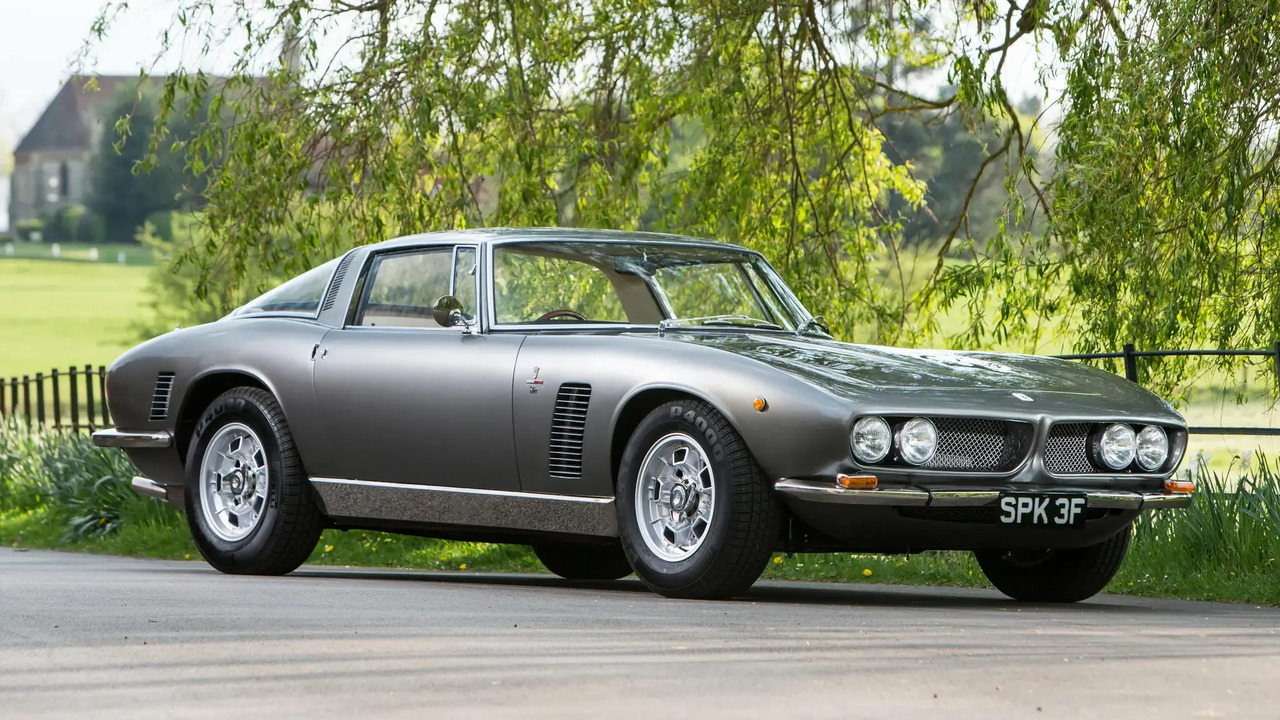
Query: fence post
40	399
57	402
13	395
75	402
102	395
1130	363
88	393
26	398
1276	357
2	412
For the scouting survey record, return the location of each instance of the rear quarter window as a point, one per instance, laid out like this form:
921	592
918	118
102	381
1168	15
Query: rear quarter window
301	295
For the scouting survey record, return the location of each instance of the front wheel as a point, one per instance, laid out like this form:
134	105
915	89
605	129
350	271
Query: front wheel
1061	576
250	506
697	517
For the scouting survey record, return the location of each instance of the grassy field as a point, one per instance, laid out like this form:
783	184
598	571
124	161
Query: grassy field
60	313
130	254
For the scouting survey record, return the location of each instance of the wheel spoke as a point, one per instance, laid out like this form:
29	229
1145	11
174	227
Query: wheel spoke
234	482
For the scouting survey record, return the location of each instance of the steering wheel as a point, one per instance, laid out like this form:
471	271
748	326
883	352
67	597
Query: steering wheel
565	312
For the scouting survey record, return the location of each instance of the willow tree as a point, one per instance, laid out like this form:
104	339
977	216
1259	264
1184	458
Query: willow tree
345	122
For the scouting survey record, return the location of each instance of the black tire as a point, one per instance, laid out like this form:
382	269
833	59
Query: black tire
1060	576
289	524
747	515
584	561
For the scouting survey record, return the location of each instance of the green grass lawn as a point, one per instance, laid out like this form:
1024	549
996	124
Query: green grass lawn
108	254
63	313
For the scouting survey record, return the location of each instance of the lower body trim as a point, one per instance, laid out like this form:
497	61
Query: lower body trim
436	505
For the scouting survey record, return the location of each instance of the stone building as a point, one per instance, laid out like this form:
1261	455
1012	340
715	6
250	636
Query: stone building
51	162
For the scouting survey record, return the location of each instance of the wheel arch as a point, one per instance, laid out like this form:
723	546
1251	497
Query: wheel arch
635	408
202	391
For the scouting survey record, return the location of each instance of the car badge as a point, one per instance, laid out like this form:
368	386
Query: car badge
534	382
1023	397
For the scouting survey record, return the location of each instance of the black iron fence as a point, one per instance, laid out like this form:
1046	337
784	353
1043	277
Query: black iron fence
72	399
1131	355
75	399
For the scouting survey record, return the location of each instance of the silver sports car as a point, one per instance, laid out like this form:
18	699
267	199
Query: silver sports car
627	402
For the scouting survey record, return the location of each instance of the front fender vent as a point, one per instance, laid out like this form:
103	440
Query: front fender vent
160	398
568	423
331	297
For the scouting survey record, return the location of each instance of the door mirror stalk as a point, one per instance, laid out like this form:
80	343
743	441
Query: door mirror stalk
448	313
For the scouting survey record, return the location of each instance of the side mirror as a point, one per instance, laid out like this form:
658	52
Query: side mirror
448	312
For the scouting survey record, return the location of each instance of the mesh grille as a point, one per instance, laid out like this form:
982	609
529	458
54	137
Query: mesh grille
160	398
331	297
979	445
1067	451
568	424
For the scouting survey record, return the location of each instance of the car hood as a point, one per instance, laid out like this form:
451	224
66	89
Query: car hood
878	376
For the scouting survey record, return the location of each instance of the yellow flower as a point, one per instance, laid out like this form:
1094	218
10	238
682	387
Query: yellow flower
463	566
777	560
866	572
328	548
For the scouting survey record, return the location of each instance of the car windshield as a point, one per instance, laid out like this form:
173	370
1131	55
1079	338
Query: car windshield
663	284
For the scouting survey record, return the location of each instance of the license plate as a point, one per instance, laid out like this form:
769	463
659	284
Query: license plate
1042	510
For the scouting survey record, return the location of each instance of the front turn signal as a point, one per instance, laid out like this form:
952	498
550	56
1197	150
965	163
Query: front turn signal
1179	486
856	482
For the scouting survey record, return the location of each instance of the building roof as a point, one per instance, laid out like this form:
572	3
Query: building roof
67	124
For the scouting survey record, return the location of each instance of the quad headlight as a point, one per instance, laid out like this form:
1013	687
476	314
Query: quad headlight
1115	446
1152	447
871	439
917	440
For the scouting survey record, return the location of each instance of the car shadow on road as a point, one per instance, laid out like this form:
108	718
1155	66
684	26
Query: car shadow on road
782	592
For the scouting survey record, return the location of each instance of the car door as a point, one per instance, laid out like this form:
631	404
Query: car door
405	400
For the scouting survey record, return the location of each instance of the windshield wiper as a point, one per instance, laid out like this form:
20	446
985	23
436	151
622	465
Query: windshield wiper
722	320
815	322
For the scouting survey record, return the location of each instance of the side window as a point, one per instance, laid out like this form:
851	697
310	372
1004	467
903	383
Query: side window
402	288
527	286
464	278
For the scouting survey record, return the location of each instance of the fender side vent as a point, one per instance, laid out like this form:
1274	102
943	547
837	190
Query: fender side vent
568	423
331	297
160	398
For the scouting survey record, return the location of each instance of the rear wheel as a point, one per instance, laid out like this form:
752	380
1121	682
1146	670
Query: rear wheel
1063	576
584	561
249	504
697	517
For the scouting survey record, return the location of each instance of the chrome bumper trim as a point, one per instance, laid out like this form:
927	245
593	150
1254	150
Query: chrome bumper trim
829	492
111	437
150	488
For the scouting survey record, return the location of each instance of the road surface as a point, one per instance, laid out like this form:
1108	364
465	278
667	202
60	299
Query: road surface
96	636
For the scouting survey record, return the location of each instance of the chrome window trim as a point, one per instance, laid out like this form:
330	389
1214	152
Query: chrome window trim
366	267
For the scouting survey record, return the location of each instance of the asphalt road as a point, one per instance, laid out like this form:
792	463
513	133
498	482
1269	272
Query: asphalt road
96	636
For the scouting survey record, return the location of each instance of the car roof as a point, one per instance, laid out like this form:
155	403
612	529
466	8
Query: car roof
489	236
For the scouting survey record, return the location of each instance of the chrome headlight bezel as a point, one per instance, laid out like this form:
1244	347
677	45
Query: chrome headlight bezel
917	441
1114	446
1152	437
874	430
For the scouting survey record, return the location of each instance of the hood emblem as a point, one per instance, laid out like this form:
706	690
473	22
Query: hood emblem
1023	397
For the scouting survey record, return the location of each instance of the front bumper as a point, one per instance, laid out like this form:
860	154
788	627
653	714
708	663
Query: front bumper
917	496
113	437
